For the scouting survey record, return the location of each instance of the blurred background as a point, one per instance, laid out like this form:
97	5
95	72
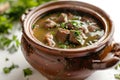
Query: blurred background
10	13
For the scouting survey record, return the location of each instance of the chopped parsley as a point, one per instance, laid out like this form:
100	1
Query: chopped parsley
63	46
7	70
117	66
77	33
117	76
10	44
76	23
63	25
33	26
27	72
5	24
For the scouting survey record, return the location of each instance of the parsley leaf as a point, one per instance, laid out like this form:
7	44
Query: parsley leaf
7	70
77	33
63	46
63	25
76	23
117	76
27	72
5	24
9	44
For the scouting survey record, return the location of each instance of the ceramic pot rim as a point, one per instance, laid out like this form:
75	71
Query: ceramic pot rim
28	21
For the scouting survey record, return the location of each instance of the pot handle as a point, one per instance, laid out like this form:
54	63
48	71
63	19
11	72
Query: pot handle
115	53
23	17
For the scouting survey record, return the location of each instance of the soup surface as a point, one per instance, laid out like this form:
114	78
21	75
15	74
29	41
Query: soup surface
67	30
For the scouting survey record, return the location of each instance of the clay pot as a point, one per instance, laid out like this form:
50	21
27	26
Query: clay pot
67	64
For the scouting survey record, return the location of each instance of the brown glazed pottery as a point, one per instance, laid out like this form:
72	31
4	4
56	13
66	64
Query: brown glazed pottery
67	64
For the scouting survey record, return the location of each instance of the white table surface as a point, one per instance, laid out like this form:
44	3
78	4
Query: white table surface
112	7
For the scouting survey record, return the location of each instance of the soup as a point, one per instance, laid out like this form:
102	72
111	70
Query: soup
68	30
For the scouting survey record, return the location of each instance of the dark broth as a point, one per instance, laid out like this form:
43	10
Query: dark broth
67	30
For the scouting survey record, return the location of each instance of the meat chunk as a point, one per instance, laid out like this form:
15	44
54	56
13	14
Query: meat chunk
72	38
84	29
49	24
62	35
70	16
62	18
73	17
87	19
92	28
76	38
70	26
84	19
49	40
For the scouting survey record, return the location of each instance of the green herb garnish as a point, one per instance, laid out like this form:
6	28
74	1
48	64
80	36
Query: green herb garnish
33	26
7	70
77	33
5	24
63	25
63	46
53	32
10	44
117	66
117	76
76	23
27	72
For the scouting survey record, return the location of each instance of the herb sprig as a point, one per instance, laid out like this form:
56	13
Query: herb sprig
8	44
7	70
27	72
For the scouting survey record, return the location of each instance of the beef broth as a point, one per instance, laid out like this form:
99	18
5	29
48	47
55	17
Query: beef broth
68	30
